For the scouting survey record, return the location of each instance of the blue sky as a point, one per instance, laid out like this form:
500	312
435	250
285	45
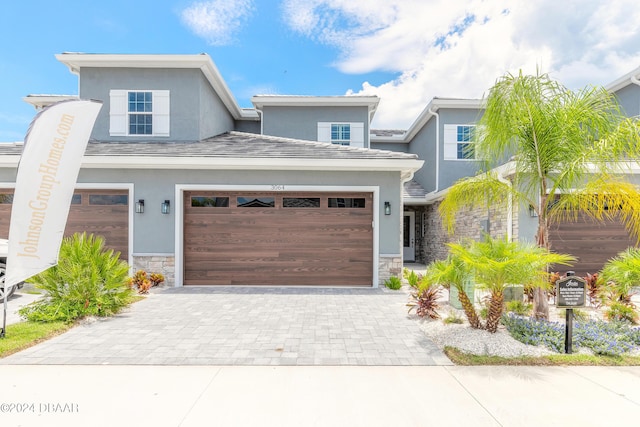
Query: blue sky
405	51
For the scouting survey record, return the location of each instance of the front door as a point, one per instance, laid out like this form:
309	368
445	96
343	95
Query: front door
409	236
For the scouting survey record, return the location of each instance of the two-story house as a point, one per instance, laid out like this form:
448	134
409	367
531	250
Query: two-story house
440	136
298	190
183	181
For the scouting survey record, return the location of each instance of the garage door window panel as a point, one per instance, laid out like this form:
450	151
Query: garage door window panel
6	199
209	202
347	202
301	202
108	199
256	202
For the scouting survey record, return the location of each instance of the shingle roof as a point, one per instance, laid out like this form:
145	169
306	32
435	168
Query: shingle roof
232	145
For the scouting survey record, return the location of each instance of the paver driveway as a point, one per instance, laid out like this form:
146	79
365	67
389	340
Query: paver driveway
248	326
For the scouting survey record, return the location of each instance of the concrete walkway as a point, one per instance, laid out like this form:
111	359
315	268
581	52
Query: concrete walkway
318	396
248	326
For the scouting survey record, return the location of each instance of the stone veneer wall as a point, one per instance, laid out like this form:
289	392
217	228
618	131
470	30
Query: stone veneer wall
469	225
390	265
157	263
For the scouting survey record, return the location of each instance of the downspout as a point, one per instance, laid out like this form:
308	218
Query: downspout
437	149
260	113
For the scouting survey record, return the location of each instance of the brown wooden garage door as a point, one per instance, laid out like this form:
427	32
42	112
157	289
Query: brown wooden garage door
591	242
101	212
278	239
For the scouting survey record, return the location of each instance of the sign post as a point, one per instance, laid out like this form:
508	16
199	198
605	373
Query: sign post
571	293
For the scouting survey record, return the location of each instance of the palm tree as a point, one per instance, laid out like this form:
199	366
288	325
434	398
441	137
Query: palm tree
551	141
498	263
453	272
623	274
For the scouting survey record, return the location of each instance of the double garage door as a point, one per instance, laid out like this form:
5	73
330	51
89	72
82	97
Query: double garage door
593	243
278	239
101	212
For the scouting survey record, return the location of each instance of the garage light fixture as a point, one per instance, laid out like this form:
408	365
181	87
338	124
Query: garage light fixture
165	207
532	212
387	208
140	206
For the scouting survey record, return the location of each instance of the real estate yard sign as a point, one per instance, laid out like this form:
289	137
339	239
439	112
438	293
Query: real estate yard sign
571	292
47	174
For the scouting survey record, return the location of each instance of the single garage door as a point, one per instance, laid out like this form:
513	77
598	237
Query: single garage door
593	243
101	212
278	239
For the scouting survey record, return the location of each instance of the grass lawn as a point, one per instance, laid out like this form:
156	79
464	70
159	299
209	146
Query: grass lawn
26	334
460	358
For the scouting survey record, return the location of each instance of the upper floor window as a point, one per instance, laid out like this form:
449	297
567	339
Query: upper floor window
458	142
135	112
140	113
342	133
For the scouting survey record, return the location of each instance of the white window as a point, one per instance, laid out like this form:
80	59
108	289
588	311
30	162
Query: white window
458	142
139	112
341	133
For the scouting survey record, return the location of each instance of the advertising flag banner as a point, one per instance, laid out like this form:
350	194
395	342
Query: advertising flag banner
46	179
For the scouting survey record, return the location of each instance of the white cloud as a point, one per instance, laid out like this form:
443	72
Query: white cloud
217	21
458	49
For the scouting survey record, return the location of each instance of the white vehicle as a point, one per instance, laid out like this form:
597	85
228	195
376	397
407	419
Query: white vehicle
4	250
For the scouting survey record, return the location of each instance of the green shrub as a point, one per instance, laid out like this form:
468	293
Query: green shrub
605	338
89	280
621	312
453	317
535	332
518	307
393	282
412	277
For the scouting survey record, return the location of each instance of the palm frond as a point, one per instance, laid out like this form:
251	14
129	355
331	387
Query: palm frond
604	199
480	191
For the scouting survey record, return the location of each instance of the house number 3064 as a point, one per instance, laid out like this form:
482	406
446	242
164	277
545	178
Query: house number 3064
277	187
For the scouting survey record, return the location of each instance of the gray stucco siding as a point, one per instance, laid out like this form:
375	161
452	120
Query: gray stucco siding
453	170
214	116
154	232
390	146
185	87
629	99
423	144
248	126
302	122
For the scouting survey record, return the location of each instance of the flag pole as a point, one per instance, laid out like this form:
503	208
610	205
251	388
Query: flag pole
50	162
4	312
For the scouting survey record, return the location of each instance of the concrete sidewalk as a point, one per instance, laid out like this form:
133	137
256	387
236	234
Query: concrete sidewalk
318	396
